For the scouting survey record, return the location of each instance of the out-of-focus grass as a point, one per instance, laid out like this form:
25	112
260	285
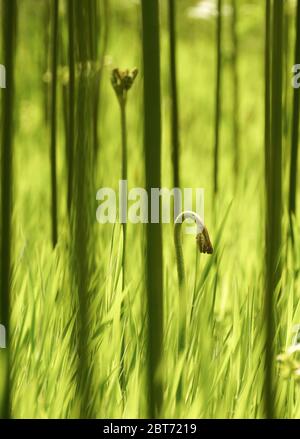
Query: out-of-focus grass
223	374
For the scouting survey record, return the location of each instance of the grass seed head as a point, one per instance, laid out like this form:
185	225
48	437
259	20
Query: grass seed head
204	242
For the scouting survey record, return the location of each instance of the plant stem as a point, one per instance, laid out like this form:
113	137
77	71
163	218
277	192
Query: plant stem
152	145
71	102
9	40
267	96
53	122
82	214
205	246
274	208
122	376
295	126
218	97
235	79
174	98
46	50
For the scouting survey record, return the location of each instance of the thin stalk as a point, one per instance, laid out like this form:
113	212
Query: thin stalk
71	102
204	246
174	98
9	35
218	96
64	97
267	94
94	21
235	80
122	81
53	122
154	255
124	177
46	50
295	126
122	377
105	27
268	299
286	69
274	208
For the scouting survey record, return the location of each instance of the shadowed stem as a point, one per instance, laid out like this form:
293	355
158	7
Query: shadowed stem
174	97
295	126
71	102
9	11
53	123
274	210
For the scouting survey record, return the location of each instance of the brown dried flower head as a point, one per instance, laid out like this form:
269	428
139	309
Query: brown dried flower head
122	81
204	242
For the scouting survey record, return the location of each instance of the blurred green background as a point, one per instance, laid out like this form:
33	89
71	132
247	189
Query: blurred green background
222	372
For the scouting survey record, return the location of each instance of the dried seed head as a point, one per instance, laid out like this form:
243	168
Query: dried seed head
122	81
204	242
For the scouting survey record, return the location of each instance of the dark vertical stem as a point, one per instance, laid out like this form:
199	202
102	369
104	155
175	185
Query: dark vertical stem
274	206
83	242
267	93
268	299
71	102
174	98
9	32
47	11
295	126
94	18
152	141
53	122
218	96
105	27
235	79
286	69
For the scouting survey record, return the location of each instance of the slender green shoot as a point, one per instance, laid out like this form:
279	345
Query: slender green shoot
122	81
218	96
235	83
174	98
295	126
53	121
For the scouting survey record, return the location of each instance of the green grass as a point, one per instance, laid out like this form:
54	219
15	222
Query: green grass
224	358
